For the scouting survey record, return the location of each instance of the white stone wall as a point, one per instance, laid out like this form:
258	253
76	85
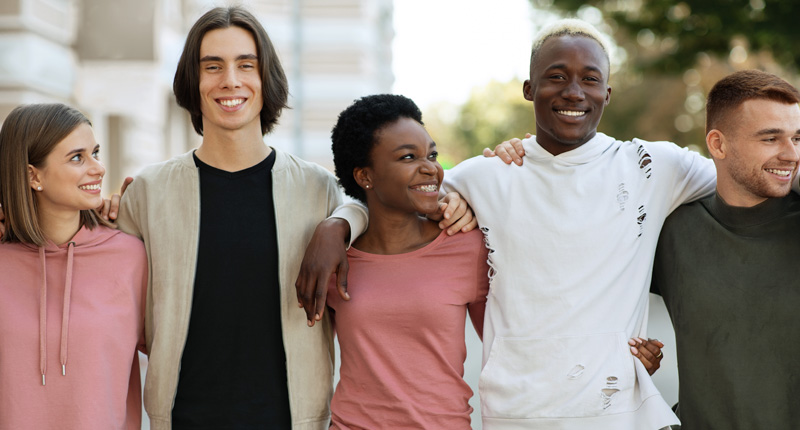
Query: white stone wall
115	60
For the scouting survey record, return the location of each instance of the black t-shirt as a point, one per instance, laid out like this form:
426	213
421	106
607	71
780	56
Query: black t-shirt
233	369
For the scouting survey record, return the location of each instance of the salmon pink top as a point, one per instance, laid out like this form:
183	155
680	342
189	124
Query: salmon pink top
71	320
402	335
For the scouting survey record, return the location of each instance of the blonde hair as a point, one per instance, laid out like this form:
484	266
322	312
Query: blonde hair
570	27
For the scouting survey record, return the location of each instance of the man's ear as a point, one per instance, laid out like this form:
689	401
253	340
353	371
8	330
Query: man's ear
527	90
363	177
608	95
717	144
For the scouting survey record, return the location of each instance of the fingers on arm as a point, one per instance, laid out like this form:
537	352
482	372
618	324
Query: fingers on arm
111	208
464	223
510	151
341	280
648	352
456	215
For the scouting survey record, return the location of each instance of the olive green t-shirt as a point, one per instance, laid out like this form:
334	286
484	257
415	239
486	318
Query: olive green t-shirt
731	281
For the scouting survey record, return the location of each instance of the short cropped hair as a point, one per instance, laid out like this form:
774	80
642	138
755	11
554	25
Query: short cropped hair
28	135
731	91
357	130
569	27
274	86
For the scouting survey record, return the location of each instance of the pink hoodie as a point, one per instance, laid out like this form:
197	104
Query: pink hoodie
71	320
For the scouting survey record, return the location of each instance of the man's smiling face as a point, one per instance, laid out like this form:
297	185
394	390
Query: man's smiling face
569	89
230	81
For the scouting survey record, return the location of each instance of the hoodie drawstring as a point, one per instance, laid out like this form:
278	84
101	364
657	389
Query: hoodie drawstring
64	316
43	316
65	312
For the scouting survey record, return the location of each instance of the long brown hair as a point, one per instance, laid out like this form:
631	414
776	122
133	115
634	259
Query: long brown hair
186	85
28	135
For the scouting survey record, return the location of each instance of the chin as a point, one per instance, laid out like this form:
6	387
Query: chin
425	210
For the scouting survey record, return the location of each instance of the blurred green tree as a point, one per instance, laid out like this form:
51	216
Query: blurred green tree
493	113
667	36
670	55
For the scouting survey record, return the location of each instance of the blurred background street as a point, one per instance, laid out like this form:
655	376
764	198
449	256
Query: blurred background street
462	61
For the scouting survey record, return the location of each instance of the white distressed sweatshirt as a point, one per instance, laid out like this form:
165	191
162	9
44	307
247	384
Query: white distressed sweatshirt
572	241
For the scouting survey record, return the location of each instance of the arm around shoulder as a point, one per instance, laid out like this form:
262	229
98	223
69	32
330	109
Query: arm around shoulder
127	220
691	175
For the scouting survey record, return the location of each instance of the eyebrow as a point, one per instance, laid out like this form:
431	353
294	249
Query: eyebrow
768	131
79	150
410	146
562	66
239	58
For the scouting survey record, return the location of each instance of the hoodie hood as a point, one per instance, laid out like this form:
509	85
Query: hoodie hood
83	240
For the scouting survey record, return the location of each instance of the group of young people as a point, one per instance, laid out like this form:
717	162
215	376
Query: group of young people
235	234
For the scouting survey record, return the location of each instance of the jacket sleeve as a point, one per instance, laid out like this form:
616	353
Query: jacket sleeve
127	220
355	214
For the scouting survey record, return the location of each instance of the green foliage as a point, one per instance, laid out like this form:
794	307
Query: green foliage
492	114
498	112
650	109
666	36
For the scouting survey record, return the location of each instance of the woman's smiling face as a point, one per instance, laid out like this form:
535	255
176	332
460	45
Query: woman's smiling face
404	174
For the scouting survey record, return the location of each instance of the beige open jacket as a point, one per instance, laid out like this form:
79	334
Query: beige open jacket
162	207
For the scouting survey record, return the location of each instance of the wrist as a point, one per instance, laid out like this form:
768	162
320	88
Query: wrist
336	227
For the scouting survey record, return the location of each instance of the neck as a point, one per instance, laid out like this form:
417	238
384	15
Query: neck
390	234
59	228
739	201
233	150
733	194
557	147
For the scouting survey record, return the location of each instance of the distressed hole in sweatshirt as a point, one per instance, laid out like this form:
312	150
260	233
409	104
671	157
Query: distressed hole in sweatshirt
576	371
608	392
492	271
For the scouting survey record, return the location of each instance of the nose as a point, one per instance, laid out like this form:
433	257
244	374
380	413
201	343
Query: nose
230	78
96	168
429	167
573	90
790	150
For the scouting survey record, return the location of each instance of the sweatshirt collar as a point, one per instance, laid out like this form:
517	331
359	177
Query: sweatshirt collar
583	154
742	217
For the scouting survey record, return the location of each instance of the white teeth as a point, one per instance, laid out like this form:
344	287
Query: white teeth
571	112
428	188
90	187
231	103
779	172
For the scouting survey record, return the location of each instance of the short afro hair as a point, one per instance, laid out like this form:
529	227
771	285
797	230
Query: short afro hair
356	132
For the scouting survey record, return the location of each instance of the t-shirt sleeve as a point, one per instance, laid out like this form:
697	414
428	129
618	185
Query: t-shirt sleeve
477	306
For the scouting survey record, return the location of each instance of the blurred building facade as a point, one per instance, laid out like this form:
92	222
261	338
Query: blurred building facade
115	60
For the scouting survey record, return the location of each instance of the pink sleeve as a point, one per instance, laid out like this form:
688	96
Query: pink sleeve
478	305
